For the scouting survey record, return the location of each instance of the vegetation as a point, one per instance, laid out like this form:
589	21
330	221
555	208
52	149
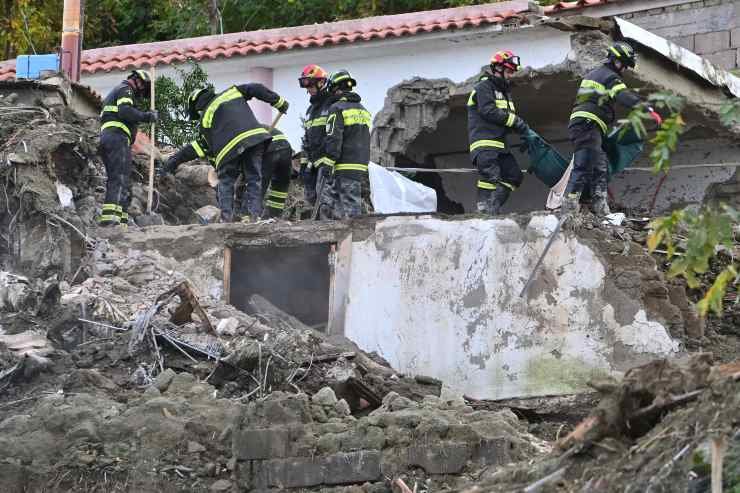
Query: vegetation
173	127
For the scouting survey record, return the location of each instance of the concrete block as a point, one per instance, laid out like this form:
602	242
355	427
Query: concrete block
735	38
685	42
286	473
443	458
354	467
693	20
724	59
261	444
712	42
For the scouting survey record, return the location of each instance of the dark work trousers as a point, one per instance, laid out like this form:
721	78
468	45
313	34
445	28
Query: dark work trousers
115	152
348	193
499	176
276	169
589	159
326	192
309	176
249	164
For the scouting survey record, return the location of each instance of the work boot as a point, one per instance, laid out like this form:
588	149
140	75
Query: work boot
499	198
600	204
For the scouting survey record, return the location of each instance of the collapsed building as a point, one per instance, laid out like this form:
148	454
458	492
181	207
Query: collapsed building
360	355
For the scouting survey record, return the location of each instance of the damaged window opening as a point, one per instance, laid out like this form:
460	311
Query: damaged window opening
294	279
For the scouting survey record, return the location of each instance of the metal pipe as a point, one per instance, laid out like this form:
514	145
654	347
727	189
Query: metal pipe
71	39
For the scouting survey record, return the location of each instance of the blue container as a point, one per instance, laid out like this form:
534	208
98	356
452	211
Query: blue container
31	66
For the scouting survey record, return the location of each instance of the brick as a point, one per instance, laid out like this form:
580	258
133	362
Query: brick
444	458
351	468
286	473
685	41
712	42
735	38
724	59
261	444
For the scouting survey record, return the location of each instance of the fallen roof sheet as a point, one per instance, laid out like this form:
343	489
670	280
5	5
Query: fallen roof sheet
685	58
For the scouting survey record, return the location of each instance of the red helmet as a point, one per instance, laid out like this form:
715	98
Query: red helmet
506	59
312	75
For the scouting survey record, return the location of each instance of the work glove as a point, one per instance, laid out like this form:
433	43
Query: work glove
282	107
151	116
520	126
655	116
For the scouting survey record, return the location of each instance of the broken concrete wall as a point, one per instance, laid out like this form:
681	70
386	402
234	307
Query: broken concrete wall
441	298
431	132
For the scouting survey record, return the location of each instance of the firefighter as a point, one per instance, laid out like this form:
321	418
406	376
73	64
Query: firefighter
276	170
233	140
313	79
346	149
119	120
589	123
491	117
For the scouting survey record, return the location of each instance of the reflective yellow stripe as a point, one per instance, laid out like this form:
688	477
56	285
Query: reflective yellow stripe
592	84
278	195
356	116
110	207
304	160
614	50
508	185
510	121
590	116
124	101
316	122
115	124
279	102
109	217
487	143
227	96
198	149
275	205
471	99
486	185
110	108
617	88
351	167
244	135
275	138
324	160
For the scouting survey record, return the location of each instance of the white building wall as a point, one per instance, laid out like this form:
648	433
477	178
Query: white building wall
377	65
441	298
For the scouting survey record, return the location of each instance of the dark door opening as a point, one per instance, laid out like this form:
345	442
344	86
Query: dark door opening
294	279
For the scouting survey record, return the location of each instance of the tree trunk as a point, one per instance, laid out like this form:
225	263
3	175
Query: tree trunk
214	17
8	13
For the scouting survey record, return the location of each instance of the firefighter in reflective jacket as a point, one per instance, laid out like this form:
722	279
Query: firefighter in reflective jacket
119	120
276	169
346	149
491	117
233	140
589	123
313	79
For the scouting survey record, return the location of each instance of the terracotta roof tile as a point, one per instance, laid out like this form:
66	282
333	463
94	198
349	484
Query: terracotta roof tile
317	35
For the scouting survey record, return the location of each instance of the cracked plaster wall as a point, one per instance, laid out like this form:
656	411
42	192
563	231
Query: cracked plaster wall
441	298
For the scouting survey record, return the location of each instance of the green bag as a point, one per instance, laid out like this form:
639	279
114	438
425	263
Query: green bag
546	163
622	148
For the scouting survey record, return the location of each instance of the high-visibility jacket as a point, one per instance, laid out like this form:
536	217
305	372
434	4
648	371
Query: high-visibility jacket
119	113
227	125
347	141
491	115
314	129
279	142
596	95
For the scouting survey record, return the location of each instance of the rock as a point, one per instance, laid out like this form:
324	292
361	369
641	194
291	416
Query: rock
342	408
400	403
209	469
195	448
164	379
84	380
325	397
227	326
221	485
14	292
209	213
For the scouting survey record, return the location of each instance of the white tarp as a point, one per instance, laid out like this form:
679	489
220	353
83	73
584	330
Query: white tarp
392	192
